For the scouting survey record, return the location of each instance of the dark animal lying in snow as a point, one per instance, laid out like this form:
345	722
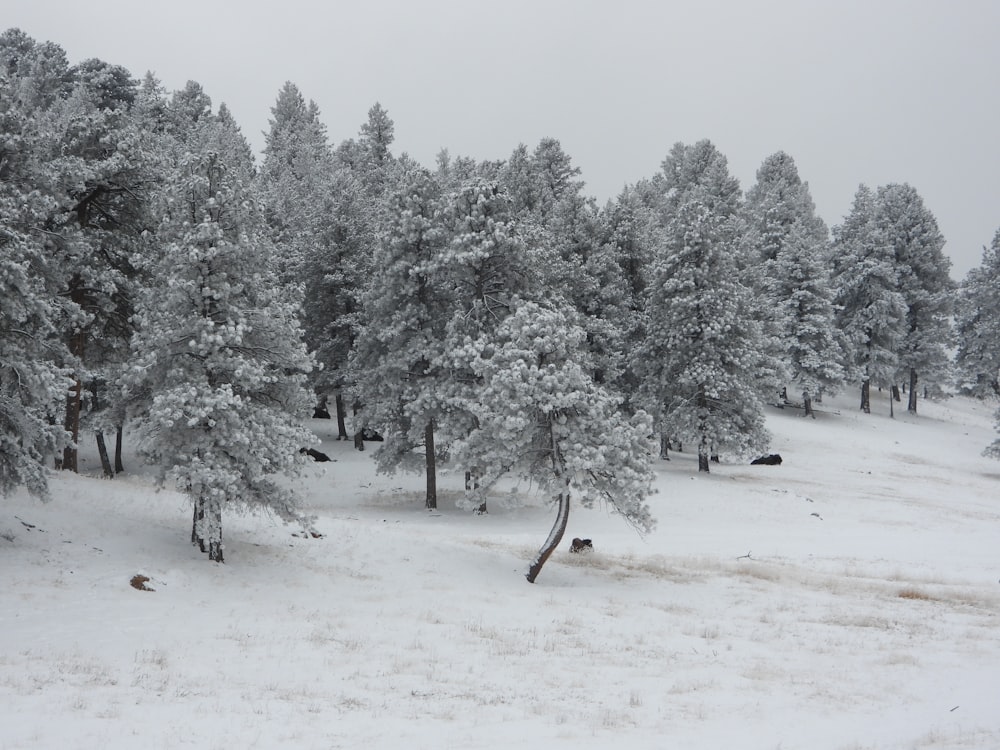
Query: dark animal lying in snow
770	460
581	545
321	412
316	455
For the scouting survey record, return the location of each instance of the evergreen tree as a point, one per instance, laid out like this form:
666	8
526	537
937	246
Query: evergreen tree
402	333
872	311
541	416
788	247
911	233
703	351
219	347
977	327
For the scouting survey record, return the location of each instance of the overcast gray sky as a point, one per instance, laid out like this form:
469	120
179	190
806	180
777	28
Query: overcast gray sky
873	91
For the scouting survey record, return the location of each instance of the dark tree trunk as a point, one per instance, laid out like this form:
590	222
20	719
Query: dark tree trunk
807	404
866	400
341	419
102	451
432	499
206	529
894	392
664	447
703	456
119	466
555	536
359	436
911	404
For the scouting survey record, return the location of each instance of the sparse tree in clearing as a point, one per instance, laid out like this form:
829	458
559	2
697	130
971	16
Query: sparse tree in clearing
219	349
542	417
977	326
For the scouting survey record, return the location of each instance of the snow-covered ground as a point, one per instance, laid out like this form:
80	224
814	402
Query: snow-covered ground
849	598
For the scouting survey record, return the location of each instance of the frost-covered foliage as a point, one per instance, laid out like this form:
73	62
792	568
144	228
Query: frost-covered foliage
977	326
788	246
872	310
703	353
219	350
402	334
704	360
541	416
32	386
911	232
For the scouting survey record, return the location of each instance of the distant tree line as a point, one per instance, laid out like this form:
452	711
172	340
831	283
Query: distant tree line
484	313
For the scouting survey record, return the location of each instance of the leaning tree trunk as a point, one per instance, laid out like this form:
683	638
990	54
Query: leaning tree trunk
119	466
807	404
911	404
432	500
102	451
866	399
555	536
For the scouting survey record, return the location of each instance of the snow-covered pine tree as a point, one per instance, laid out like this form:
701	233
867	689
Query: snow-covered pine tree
788	247
401	336
219	348
703	353
872	311
924	281
541	417
977	327
486	263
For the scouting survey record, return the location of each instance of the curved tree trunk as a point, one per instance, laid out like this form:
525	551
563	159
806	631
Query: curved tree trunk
432	500
555	536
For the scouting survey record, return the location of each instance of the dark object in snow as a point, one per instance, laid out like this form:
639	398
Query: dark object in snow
772	459
139	582
321	412
369	434
316	455
581	545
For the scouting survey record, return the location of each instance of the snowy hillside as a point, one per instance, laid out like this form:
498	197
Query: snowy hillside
846	599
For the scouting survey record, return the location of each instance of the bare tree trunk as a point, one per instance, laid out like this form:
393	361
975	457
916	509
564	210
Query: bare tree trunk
703	456
359	436
866	401
892	412
341	419
894	392
807	405
555	536
664	447
911	405
119	466
72	426
432	500
196	524
206	528
102	451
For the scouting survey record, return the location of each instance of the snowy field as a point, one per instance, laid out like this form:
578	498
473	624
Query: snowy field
847	599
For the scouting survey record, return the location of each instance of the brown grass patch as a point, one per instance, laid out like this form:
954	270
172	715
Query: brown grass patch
912	593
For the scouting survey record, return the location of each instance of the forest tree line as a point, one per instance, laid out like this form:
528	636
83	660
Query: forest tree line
485	313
